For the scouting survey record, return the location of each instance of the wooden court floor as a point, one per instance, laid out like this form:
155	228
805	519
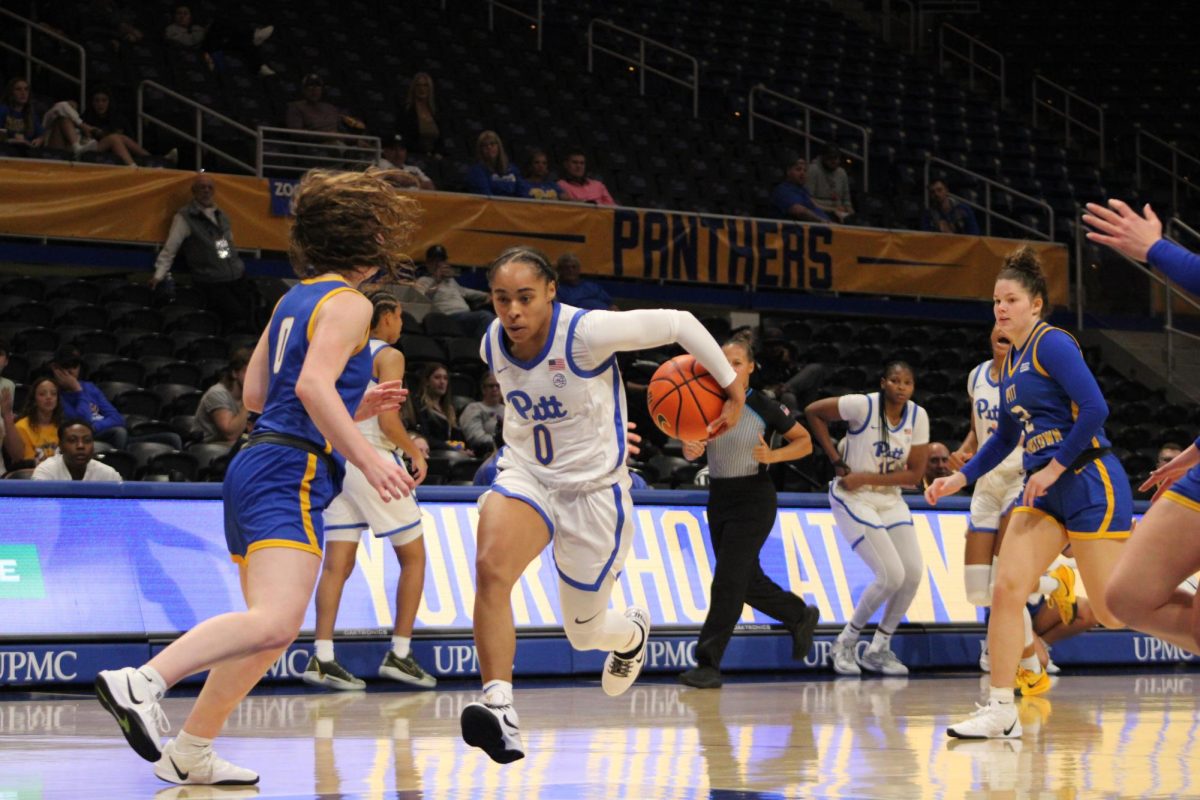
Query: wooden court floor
1122	735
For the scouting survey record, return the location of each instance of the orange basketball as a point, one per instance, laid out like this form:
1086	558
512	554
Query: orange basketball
684	398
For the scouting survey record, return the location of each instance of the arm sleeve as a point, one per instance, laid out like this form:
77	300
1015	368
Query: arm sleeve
166	256
602	333
1177	263
1001	443
111	417
1060	356
853	408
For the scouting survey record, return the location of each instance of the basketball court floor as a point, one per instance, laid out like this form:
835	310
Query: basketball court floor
1126	735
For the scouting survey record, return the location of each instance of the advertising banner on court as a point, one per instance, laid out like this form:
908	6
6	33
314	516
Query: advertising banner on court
44	198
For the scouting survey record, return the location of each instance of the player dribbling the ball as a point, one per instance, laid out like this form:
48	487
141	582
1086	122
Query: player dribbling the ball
562	476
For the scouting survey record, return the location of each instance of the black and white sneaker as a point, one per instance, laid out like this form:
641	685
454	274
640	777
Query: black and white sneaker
405	670
622	669
495	729
133	701
207	769
331	675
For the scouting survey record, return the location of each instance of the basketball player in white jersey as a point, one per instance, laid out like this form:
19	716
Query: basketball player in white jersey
357	508
562	476
886	448
995	493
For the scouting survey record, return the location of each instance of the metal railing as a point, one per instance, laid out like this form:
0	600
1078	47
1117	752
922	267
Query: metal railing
1061	101
806	131
640	62
199	113
30	28
535	18
956	44
1179	161
290	150
990	185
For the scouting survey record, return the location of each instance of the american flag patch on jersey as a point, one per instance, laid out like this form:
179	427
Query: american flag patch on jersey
557	364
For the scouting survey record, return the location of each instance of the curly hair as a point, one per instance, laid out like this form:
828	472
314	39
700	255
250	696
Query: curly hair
349	220
1023	266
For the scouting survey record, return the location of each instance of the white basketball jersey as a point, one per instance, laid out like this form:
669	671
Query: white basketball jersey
370	427
563	422
985	413
866	447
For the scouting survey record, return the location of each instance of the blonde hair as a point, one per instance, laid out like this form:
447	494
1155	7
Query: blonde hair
500	166
348	220
410	99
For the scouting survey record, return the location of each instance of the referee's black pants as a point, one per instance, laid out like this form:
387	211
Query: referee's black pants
741	513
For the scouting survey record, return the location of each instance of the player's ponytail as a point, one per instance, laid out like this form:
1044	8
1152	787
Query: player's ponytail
1023	266
527	255
383	302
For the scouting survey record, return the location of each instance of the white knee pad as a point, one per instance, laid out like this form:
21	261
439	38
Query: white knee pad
978	581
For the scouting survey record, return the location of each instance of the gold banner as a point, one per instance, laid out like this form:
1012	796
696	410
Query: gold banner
85	201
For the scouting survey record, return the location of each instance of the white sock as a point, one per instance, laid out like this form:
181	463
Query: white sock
156	681
498	693
1000	696
188	745
849	634
324	649
1046	584
401	645
881	640
1031	663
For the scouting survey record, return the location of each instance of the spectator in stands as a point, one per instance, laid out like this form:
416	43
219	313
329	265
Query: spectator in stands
84	400
1165	453
575	291
938	465
947	215
418	118
790	383
395	156
205	235
829	185
219	37
76	457
313	113
104	20
448	297
34	435
66	130
575	183
492	174
6	385
19	121
435	411
538	184
221	414
791	199
479	419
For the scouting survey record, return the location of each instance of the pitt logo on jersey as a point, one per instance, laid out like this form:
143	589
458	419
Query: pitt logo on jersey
546	408
985	410
882	450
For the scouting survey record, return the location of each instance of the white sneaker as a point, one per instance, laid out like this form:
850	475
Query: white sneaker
1051	667
133	701
208	769
331	675
882	661
405	670
621	671
985	660
992	721
842	656
262	34
495	729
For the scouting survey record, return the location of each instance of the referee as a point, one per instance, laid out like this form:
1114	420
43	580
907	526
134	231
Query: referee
741	513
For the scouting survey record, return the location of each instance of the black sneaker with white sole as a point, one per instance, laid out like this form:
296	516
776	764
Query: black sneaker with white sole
331	675
405	670
132	700
494	729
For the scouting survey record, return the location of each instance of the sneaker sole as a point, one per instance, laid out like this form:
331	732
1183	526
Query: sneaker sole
393	674
326	682
168	778
142	742
481	729
954	735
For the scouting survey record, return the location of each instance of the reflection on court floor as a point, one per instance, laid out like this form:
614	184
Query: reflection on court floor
1128	735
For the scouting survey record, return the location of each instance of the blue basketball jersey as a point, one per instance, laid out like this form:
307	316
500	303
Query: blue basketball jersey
290	330
1037	401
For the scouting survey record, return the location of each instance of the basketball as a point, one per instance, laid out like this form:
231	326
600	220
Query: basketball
684	398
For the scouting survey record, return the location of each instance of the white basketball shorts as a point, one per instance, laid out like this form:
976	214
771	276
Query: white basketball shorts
859	510
994	493
359	507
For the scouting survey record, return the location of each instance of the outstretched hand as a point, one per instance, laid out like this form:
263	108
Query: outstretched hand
384	396
942	487
1165	476
1122	228
735	401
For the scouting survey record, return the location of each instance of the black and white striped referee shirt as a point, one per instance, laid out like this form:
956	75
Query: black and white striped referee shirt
730	455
